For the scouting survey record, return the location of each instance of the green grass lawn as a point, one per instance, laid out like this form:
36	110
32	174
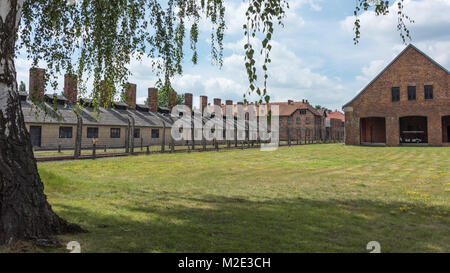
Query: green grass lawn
315	198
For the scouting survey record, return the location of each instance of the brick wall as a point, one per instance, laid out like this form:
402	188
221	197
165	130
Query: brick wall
304	126
411	68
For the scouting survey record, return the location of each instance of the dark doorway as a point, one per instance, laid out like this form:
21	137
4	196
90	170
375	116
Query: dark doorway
446	129
35	135
413	130
373	130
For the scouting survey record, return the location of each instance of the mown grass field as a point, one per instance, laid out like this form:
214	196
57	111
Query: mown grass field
315	198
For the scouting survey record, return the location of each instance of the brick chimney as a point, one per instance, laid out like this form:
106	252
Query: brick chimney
188	100
105	99
37	83
203	102
217	102
71	88
153	99
130	95
290	101
172	99
229	102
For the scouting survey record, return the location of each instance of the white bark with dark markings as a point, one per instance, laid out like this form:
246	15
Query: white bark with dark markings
24	211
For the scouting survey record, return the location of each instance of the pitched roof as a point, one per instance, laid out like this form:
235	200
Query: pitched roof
335	115
35	114
103	116
285	108
392	62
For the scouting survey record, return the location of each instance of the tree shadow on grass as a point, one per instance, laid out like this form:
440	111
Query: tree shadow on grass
211	223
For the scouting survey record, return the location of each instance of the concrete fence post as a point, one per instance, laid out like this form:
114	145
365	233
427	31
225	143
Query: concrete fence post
94	151
78	135
163	141
289	136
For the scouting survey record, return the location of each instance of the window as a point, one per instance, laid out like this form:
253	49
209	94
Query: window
137	133
308	121
281	120
115	132
395	93
411	93
155	133
289	120
92	132
299	120
302	112
307	132
428	92
65	132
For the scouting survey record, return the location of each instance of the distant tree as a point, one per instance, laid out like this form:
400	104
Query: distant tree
22	87
163	96
319	107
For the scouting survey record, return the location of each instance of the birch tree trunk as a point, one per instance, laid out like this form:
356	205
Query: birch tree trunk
24	211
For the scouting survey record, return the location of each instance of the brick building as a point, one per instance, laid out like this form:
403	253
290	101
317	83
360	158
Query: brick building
408	103
335	125
298	120
127	124
117	126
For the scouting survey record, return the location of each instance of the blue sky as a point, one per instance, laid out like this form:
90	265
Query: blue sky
313	56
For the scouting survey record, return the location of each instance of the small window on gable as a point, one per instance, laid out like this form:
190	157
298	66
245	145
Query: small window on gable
411	93
428	92
299	120
395	93
308	120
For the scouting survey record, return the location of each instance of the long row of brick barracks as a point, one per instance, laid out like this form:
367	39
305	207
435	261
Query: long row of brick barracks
129	125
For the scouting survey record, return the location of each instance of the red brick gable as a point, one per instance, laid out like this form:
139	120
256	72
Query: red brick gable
393	68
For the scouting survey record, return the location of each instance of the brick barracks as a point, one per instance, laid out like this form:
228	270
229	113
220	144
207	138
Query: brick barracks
128	124
408	103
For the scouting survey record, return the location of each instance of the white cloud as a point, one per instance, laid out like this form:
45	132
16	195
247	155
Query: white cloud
380	42
371	70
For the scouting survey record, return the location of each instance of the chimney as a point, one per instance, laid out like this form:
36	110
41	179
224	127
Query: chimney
188	100
229	102
71	88
153	100
105	96
217	102
290	101
130	95
37	83
203	103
